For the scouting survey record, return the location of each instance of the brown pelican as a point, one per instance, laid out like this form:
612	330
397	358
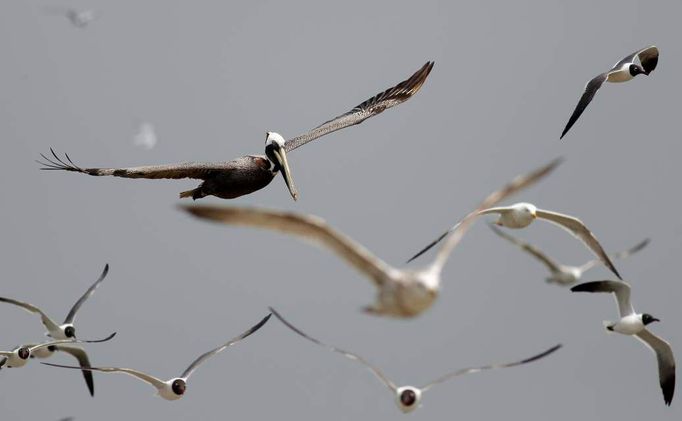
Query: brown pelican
563	274
247	174
402	292
622	71
520	215
634	324
176	387
408	398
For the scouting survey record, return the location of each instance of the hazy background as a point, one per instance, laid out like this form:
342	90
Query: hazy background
212	77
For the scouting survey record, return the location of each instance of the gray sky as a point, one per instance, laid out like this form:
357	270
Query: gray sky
212	77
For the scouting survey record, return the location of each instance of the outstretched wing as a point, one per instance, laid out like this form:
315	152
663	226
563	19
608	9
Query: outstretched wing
156	382
347	354
49	324
72	313
489	367
209	354
590	89
666	362
620	255
549	262
373	106
195	170
576	227
79	354
648	57
620	289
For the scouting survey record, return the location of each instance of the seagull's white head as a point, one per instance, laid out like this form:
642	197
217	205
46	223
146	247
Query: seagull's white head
274	150
408	398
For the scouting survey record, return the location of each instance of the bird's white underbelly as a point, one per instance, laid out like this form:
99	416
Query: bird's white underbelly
566	276
629	325
622	75
404	299
167	393
515	219
42	353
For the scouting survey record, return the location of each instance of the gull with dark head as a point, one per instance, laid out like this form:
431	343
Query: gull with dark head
408	398
626	69
245	175
635	324
563	274
19	356
65	330
175	388
520	215
401	292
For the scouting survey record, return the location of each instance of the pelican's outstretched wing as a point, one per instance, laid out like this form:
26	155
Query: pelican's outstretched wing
373	106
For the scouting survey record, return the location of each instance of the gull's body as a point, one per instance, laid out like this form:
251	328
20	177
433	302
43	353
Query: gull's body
623	71
19	356
408	398
64	331
174	388
559	273
231	179
634	324
521	215
401	293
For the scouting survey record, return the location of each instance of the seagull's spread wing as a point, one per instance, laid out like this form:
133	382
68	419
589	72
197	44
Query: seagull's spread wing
549	262
72	313
347	354
620	289
579	230
157	383
590	89
307	227
196	170
648	57
49	324
620	255
373	106
209	354
666	362
489	367
70	341
84	362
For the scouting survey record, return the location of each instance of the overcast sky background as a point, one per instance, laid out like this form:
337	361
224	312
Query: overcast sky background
213	77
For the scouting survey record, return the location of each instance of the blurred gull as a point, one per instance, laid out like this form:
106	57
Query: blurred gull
145	136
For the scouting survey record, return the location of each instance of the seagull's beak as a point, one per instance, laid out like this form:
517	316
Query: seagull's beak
281	156
655	320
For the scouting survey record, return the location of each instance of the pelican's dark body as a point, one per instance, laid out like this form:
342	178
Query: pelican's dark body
241	176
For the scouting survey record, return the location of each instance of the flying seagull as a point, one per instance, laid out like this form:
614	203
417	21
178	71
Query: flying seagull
622	71
401	292
632	323
19	356
563	274
78	18
64	331
228	180
176	387
520	215
408	397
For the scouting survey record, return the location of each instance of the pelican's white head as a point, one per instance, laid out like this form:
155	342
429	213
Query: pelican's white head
408	398
275	152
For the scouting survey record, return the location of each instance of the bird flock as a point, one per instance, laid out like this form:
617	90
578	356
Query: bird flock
400	292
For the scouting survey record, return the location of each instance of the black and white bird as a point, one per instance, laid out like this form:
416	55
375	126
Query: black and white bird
64	331
401	292
635	324
622	71
245	175
521	215
561	274
19	356
176	387
408	398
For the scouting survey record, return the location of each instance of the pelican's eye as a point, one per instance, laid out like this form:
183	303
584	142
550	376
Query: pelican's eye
179	387
408	397
70	332
24	353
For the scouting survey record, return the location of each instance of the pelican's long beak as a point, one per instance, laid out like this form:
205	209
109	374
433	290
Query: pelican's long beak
281	156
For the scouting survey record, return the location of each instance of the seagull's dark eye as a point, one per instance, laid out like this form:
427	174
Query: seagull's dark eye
408	397
179	387
70	332
24	353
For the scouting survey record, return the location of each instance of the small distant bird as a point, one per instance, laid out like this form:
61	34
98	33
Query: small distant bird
78	18
634	324
563	274
174	388
245	175
145	136
65	330
622	71
19	356
520	215
408	397
401	292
